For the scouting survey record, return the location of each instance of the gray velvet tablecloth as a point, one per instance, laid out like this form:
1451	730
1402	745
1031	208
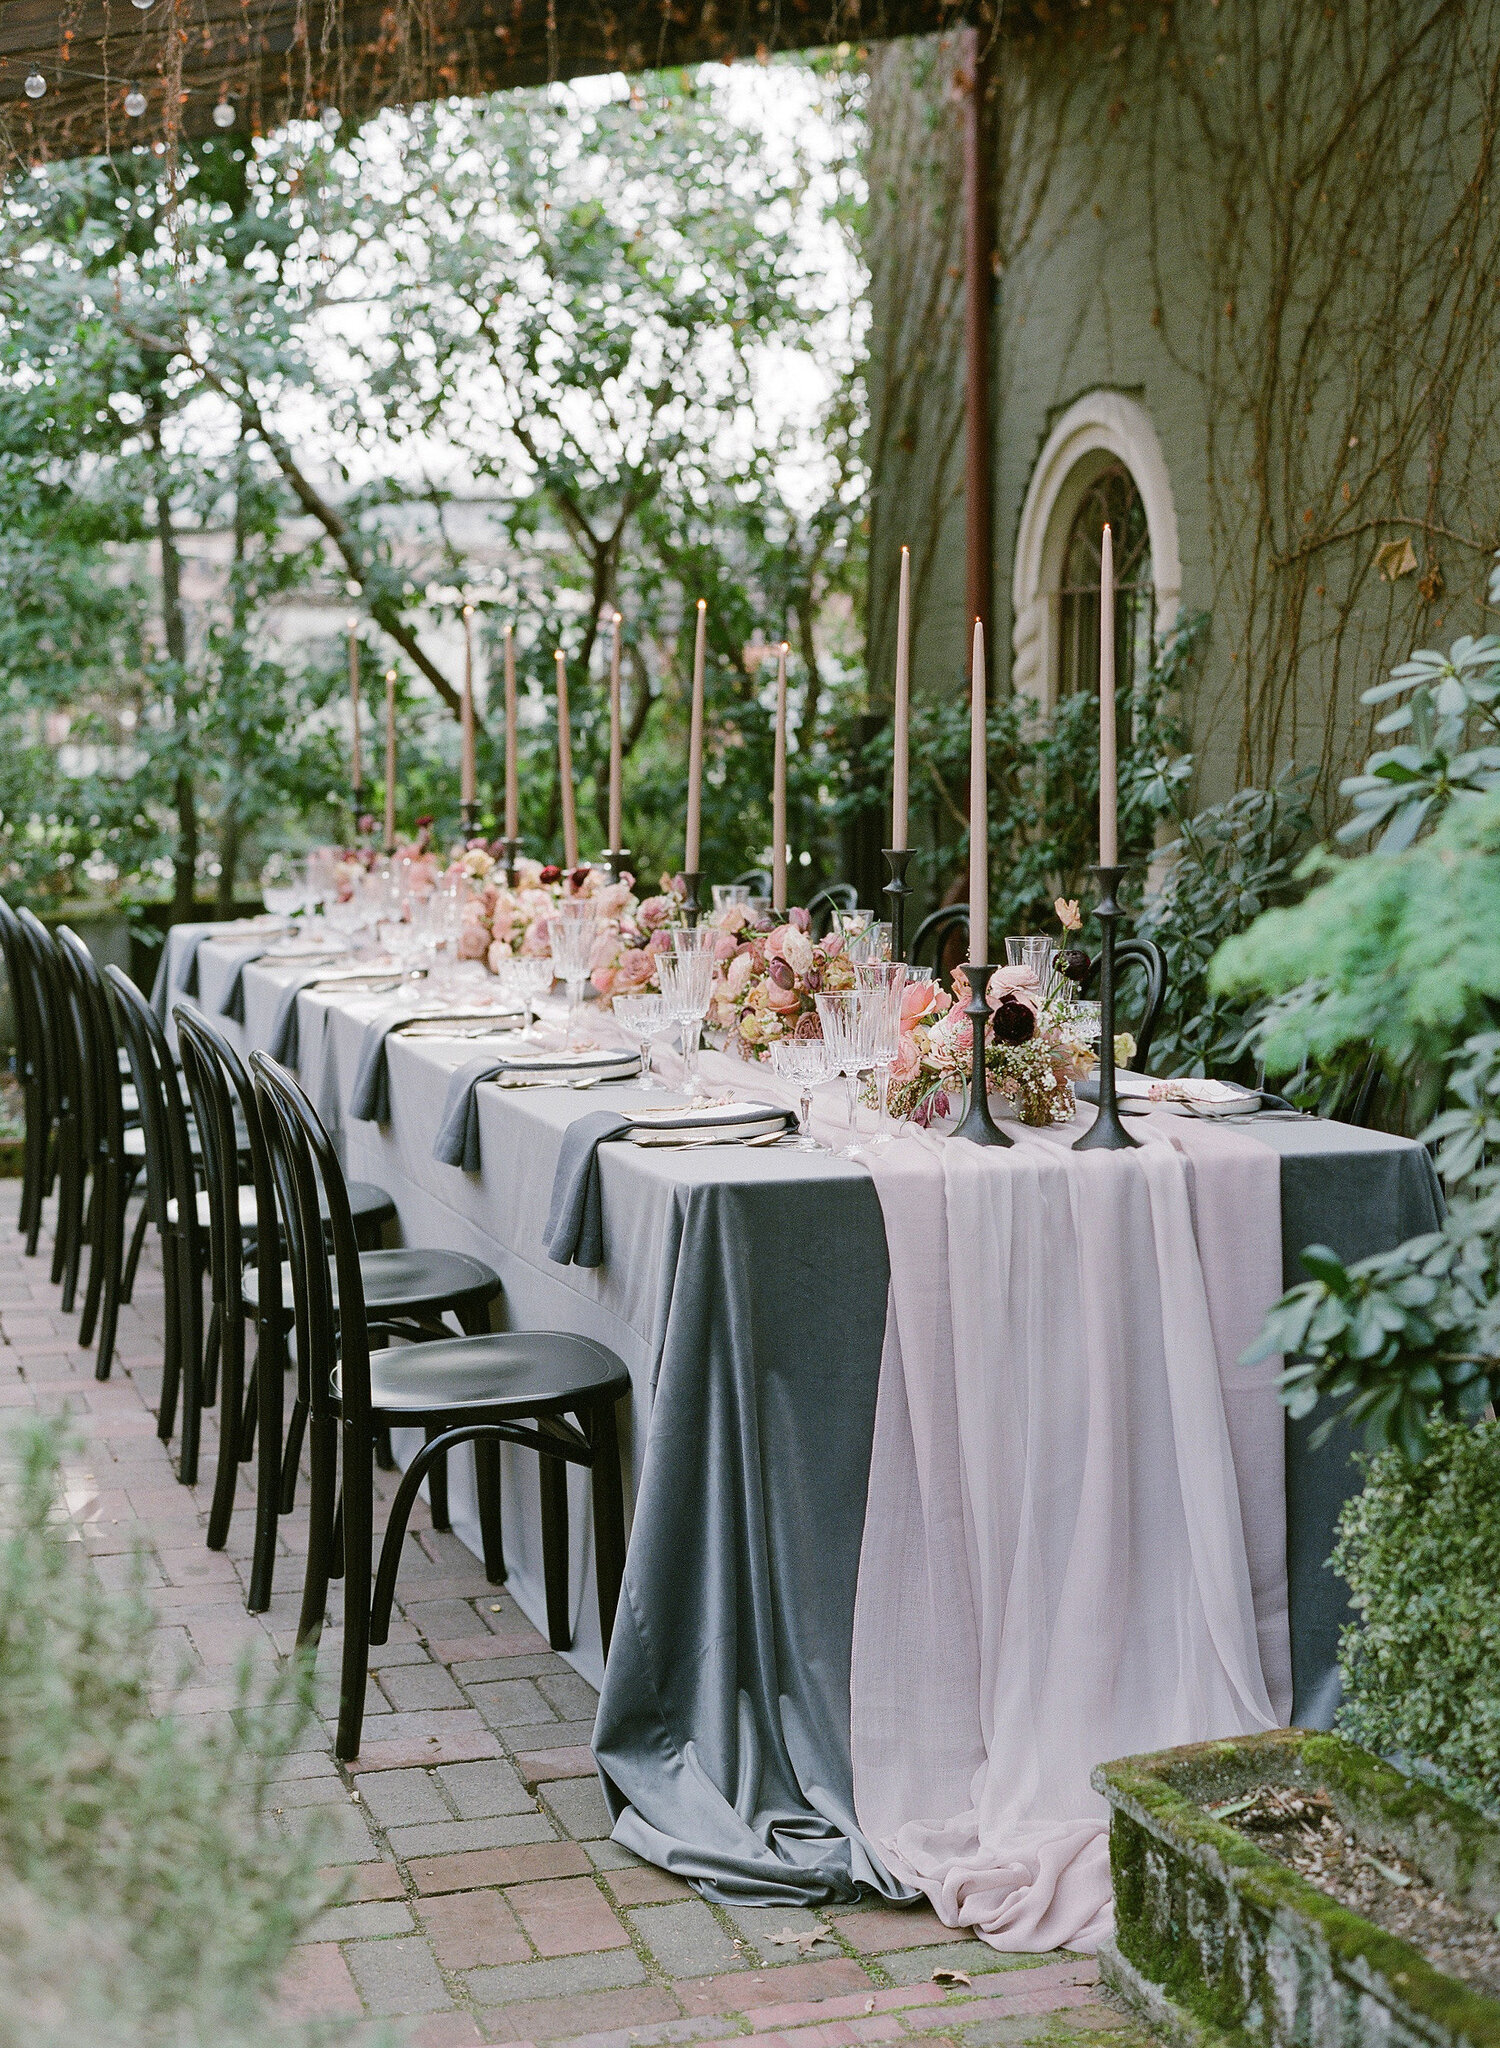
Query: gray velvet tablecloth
745	1292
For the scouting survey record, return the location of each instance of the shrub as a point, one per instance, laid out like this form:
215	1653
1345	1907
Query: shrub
1421	1665
146	1894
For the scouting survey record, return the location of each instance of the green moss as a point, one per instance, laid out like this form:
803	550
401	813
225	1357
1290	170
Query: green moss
1158	1820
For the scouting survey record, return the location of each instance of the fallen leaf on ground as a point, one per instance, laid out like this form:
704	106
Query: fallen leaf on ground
804	1938
953	1977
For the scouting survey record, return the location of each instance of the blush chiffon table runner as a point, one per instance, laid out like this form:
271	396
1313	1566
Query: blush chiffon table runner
746	1291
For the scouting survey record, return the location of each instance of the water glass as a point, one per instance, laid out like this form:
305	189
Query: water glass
283	887
1039	955
805	1063
873	943
645	1017
571	931
883	983
1015	954
725	893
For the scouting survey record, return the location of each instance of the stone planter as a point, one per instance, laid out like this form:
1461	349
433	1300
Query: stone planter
1215	1940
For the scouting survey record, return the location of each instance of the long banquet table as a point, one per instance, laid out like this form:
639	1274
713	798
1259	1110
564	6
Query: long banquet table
745	1290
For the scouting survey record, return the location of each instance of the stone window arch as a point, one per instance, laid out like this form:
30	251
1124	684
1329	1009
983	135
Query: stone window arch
1101	460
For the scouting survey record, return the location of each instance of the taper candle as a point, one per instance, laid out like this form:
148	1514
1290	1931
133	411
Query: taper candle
616	745
390	760
356	765
695	746
512	766
468	781
902	719
565	766
778	787
979	807
1109	823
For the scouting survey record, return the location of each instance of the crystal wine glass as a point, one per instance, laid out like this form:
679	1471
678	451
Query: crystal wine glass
884	982
687	980
527	977
645	1017
843	1016
805	1063
571	931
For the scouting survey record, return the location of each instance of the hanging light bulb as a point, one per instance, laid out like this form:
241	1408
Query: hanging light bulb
36	85
223	114
142	4
332	120
135	103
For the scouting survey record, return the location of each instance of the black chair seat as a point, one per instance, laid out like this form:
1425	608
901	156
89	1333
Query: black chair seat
526	1371
409	1281
371	1207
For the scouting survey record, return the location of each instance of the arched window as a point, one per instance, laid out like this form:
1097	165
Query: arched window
1111	497
1101	460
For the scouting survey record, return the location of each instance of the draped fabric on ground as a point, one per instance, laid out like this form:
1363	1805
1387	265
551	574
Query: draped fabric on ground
1056	1558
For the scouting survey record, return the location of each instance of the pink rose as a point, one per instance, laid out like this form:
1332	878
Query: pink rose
739	972
1019	983
782	999
635	971
499	953
908	1058
604	980
474	941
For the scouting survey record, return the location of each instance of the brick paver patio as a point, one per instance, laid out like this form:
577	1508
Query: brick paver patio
483	1899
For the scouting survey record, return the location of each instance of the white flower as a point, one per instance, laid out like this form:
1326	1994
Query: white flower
796	950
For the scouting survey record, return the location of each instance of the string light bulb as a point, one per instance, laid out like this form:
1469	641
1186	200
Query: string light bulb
36	85
223	114
135	103
143	5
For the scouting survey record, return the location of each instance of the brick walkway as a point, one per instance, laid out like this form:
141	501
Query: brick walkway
484	1900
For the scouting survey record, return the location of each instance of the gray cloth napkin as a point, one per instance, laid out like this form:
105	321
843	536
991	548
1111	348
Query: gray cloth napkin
285	1043
370	1097
574	1233
233	1004
457	1141
165	993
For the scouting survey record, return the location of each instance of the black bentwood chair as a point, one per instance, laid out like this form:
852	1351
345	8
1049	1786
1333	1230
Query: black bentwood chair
30	1063
116	1154
553	1393
934	936
1149	957
64	1059
407	1293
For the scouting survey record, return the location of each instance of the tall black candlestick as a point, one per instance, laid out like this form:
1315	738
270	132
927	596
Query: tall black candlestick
691	906
512	856
468	816
978	1126
897	859
1106	1133
617	860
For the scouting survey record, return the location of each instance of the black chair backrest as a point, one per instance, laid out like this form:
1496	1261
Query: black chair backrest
104	1106
170	1173
756	880
216	1080
305	1163
60	1052
837	896
21	975
935	934
1147	955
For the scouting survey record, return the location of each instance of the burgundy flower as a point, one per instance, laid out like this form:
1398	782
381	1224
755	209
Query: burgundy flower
1075	964
550	874
1013	1023
812	981
782	975
579	876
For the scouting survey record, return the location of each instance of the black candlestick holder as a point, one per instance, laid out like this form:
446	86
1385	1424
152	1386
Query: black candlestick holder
978	1126
617	860
468	817
898	889
512	851
691	904
1106	1133
357	806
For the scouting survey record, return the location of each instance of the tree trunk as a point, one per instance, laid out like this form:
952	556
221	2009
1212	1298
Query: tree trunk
174	627
229	857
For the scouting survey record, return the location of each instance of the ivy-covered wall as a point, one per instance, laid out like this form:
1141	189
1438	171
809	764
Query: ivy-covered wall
1274	223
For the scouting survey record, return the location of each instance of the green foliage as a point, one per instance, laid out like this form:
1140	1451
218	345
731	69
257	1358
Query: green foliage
1229	864
1421	1665
145	1892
